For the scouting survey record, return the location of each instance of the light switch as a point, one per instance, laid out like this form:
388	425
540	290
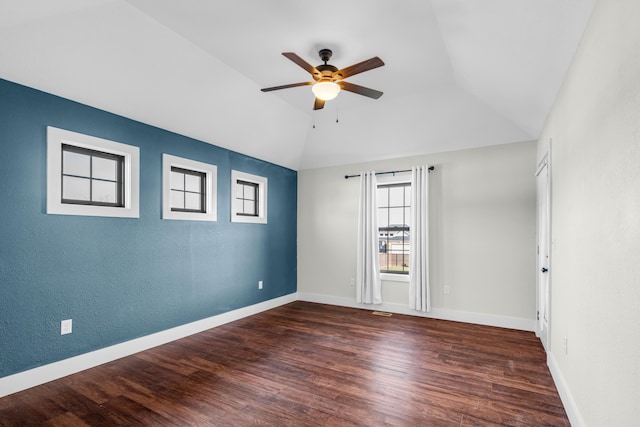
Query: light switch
66	326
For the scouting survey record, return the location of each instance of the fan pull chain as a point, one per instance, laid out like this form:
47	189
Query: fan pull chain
337	108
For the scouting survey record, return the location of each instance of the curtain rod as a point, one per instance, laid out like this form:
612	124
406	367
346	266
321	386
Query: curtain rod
386	173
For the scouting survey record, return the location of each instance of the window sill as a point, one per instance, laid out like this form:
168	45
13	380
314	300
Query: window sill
390	277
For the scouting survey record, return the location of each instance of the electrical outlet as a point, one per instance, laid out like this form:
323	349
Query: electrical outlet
66	326
446	290
260	284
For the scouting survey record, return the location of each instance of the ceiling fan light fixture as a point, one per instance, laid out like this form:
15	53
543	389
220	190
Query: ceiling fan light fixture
325	90
325	75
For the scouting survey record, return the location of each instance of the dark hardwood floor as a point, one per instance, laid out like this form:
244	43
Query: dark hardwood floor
307	364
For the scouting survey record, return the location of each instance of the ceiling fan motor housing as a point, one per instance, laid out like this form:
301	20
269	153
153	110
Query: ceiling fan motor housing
326	70
325	55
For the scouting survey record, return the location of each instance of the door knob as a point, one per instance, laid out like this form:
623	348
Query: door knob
544	270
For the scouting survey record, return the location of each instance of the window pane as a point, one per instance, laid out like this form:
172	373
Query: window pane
177	199
249	207
192	183
384	261
407	195
239	190
76	188
383	244
104	191
383	197
192	201
407	216
396	217
396	196
104	168
249	192
177	181
75	164
383	217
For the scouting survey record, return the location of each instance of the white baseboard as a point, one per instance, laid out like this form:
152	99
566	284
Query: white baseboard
42	374
435	313
565	394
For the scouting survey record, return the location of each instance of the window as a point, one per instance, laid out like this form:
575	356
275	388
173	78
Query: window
394	209
248	198
91	176
188	189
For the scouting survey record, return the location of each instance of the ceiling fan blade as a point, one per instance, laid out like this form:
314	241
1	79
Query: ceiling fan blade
360	90
358	68
301	62
318	104
269	89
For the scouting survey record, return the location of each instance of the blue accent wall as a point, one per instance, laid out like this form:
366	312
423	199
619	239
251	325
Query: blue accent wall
119	278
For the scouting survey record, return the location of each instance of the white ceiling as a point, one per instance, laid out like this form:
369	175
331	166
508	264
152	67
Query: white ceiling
458	73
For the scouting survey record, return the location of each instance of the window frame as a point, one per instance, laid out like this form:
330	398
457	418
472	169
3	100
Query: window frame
56	139
256	199
210	196
99	154
261	202
202	193
389	181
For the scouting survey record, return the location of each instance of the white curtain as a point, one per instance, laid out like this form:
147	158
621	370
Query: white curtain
368	286
419	298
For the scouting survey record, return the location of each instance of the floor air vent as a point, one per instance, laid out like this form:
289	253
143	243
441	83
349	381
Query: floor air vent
381	313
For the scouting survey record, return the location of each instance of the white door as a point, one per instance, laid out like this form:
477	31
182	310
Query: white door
544	238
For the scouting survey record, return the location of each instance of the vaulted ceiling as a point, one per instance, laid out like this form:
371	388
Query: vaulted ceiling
458	73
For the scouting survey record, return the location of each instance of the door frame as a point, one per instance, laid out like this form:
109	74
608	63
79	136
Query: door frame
541	274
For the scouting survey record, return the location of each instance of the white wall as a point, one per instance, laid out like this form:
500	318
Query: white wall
595	268
482	234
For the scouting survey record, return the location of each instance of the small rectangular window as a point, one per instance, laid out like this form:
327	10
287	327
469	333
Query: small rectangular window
247	199
91	177
394	208
188	190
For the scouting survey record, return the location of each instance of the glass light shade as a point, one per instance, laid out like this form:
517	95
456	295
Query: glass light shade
325	90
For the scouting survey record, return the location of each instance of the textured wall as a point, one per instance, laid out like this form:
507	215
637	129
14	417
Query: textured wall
595	261
119	278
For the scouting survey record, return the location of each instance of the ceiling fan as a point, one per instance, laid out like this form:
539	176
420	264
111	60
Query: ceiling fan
328	80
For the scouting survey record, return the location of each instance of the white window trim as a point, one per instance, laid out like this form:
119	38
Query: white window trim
211	186
393	179
262	197
395	277
55	139
386	180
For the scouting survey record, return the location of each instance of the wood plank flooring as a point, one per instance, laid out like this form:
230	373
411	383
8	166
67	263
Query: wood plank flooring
306	364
